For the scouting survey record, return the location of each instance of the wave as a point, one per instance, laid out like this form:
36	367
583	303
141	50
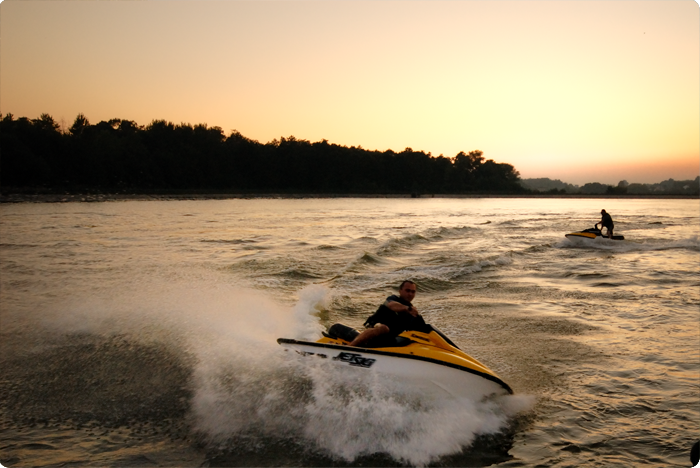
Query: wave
448	276
18	246
692	244
429	278
327	247
397	244
230	241
360	272
536	249
601	280
429	283
271	271
297	273
586	275
371	272
369	259
365	239
457	231
362	262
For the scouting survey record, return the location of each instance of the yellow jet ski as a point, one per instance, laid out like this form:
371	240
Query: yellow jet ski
425	359
591	233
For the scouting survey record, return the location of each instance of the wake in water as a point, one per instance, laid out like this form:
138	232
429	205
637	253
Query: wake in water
691	244
248	393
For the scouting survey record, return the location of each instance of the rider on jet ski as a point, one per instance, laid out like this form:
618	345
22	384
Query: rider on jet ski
606	222
395	316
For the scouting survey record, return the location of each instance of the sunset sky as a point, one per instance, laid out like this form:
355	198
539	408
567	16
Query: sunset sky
582	91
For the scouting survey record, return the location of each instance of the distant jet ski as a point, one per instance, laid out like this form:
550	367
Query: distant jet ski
591	233
423	359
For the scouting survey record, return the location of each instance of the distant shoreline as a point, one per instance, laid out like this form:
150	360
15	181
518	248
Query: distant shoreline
165	196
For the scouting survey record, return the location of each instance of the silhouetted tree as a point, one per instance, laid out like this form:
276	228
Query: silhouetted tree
79	125
118	154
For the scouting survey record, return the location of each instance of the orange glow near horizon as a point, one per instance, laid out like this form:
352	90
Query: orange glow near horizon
579	91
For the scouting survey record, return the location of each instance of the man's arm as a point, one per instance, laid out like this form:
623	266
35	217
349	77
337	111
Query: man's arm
398	308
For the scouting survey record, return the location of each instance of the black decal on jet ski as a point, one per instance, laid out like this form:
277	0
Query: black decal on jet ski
420	337
354	360
307	353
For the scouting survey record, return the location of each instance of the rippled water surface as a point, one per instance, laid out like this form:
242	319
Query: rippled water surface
143	333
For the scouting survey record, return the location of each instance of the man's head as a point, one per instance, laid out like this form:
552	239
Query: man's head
602	211
407	290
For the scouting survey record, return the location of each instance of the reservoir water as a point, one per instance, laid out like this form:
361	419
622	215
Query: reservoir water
143	333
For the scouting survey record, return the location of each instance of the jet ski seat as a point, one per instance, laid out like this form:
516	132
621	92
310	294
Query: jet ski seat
346	333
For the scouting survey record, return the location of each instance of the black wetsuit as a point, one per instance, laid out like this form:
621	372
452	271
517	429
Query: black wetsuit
607	221
397	322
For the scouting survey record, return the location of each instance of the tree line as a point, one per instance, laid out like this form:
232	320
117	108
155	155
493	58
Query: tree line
119	155
666	187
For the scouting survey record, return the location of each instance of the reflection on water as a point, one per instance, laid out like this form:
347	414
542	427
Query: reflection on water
139	333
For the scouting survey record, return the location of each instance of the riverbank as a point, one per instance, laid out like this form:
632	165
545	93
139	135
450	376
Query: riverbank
25	197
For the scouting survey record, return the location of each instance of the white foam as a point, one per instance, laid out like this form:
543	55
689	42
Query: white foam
631	245
351	415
